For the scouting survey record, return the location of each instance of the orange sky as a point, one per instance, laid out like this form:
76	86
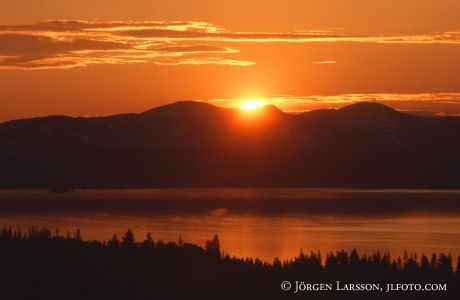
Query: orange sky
105	57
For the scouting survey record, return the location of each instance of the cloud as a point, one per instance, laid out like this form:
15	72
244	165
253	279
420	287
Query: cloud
196	49
74	43
78	25
208	61
211	33
325	62
38	51
19	44
68	44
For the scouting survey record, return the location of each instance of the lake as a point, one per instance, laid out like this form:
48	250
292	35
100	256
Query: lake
264	223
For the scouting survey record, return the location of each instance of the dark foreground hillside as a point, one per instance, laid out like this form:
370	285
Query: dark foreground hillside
44	265
192	144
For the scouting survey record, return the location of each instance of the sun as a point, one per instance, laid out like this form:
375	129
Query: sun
251	104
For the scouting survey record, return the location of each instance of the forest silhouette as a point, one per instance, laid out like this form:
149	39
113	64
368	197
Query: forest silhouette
43	264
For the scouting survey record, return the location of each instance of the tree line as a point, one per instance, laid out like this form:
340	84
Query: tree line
43	264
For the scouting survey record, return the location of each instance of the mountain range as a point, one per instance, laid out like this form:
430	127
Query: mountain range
194	144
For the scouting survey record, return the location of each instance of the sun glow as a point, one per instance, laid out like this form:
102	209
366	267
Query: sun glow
251	104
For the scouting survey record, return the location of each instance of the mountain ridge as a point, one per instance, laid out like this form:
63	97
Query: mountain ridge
191	104
195	144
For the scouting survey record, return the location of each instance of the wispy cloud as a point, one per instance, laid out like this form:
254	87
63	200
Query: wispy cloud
325	62
207	61
195	49
69	44
72	43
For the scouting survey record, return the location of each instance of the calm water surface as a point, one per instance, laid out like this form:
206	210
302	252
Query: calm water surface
264	223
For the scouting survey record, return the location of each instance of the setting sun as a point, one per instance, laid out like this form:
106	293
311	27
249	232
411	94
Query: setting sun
251	104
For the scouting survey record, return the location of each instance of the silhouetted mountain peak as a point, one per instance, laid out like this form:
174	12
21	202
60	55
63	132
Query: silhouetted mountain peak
375	114
368	108
184	107
272	109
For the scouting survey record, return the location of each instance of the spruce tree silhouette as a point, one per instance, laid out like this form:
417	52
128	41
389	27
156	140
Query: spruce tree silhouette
114	242
458	267
128	239
78	235
148	243
444	266
213	246
425	265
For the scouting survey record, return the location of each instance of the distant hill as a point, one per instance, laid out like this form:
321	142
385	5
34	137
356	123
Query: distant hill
193	144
